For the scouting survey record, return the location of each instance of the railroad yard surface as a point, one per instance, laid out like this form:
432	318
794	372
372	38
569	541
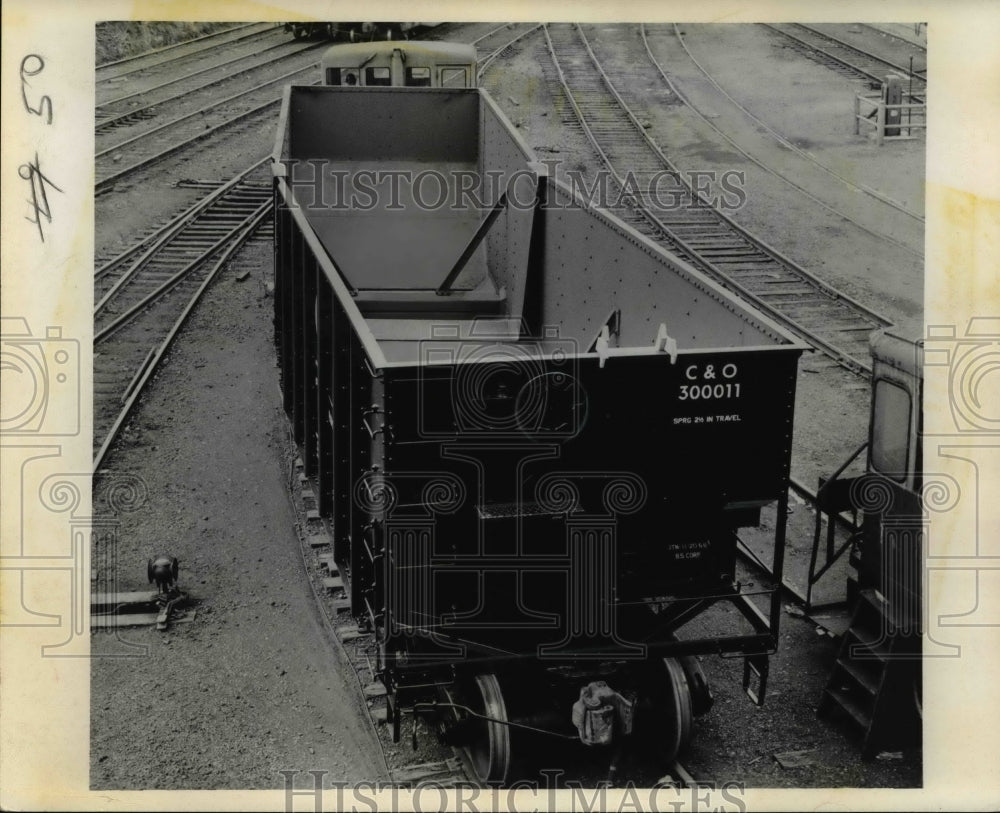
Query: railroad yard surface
258	682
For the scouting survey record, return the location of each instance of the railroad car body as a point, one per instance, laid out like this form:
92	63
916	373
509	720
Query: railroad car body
877	677
400	64
533	431
356	31
891	564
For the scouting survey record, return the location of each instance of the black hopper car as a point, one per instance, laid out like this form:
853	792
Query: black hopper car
533	432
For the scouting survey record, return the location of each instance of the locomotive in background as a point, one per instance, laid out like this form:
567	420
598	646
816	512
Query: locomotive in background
411	64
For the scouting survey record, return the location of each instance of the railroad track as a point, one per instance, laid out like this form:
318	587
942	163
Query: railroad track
155	144
830	321
145	104
495	43
151	61
846	57
169	138
786	143
116	159
146	294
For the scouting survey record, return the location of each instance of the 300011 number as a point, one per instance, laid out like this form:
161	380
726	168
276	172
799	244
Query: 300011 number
695	392
711	388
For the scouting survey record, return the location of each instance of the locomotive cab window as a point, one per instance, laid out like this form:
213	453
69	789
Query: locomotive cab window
375	77
418	77
454	78
343	76
890	441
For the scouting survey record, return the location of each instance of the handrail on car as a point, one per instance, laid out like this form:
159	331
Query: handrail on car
832	556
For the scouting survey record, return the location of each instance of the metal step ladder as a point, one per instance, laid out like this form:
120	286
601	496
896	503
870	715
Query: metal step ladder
872	678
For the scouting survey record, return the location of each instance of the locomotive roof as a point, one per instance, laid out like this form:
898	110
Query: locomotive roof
357	52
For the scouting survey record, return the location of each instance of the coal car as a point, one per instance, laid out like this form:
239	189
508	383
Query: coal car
532	431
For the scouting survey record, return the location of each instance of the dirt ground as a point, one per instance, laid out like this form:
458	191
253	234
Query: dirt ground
253	684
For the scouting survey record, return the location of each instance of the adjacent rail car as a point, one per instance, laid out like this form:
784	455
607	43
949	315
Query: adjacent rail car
400	64
356	31
889	564
533	432
877	678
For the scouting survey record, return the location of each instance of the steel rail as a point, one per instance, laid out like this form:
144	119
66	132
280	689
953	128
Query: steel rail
685	779
485	63
199	112
169	284
781	140
748	555
837	354
110	120
360	666
159	51
490	33
651	220
311	571
109	265
152	363
858	49
770	250
840	60
109	181
811	498
169	229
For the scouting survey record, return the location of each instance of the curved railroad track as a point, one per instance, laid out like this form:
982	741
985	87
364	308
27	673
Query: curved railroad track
785	142
495	43
142	303
830	321
844	56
